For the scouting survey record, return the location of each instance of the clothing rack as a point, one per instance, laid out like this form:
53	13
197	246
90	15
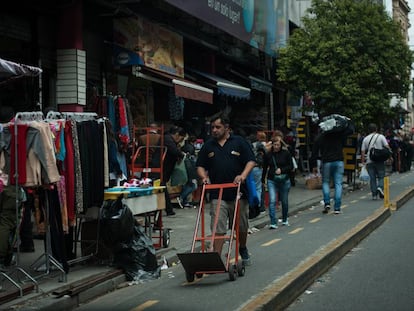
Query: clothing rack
49	259
79	116
20	117
53	115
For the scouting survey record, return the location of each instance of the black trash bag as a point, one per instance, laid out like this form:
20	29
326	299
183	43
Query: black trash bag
137	258
116	222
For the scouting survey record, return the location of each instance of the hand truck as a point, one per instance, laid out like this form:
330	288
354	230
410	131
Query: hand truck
205	260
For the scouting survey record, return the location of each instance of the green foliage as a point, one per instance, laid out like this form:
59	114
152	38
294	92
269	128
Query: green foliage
349	55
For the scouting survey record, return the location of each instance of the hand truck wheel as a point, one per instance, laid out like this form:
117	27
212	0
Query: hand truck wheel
166	238
190	277
233	273
240	269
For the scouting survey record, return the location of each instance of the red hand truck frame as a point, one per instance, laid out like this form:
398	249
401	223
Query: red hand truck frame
207	261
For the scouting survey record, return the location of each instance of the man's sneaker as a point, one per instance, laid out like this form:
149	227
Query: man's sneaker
244	253
337	212
271	227
180	202
285	223
380	192
326	209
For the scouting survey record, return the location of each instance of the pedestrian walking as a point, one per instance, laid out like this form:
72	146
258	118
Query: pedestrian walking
227	158
329	146
259	149
277	165
172	139
189	160
376	169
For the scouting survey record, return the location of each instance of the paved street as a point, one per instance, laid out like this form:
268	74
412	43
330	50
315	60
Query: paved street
280	257
376	275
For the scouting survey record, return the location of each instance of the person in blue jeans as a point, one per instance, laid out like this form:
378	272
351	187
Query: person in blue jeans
329	146
376	169
277	161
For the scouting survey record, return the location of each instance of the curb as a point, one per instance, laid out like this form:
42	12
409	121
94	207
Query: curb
286	289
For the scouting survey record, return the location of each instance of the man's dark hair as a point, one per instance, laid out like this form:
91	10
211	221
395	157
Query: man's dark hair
177	129
372	127
223	118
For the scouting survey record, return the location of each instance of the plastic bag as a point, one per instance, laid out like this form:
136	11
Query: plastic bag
251	189
137	257
363	175
179	174
117	221
335	123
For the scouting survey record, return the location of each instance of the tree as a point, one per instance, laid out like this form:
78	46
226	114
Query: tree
349	56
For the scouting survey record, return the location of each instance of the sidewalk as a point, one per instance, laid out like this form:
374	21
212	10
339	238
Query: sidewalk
182	229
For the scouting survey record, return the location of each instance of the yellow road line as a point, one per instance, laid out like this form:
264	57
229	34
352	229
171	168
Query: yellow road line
314	220
271	242
145	305
296	231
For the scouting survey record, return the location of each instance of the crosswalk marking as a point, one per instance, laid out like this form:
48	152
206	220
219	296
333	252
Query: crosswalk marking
145	305
296	231
271	242
314	220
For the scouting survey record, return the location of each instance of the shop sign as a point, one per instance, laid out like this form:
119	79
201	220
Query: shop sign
262	24
141	42
349	152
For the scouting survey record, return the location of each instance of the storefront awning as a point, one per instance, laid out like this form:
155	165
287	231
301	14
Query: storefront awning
260	85
182	87
11	70
226	87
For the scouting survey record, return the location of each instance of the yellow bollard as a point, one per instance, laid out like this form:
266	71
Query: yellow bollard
386	192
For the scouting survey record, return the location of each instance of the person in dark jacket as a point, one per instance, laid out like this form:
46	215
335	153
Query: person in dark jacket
329	146
277	162
172	139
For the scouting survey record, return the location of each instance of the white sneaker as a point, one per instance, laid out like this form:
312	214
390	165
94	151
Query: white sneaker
286	223
180	203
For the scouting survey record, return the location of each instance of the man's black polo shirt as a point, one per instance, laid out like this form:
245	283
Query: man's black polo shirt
224	163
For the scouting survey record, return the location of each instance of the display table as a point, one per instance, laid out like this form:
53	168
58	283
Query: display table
145	204
149	204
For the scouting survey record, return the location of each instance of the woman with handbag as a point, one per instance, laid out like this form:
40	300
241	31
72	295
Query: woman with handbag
277	164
